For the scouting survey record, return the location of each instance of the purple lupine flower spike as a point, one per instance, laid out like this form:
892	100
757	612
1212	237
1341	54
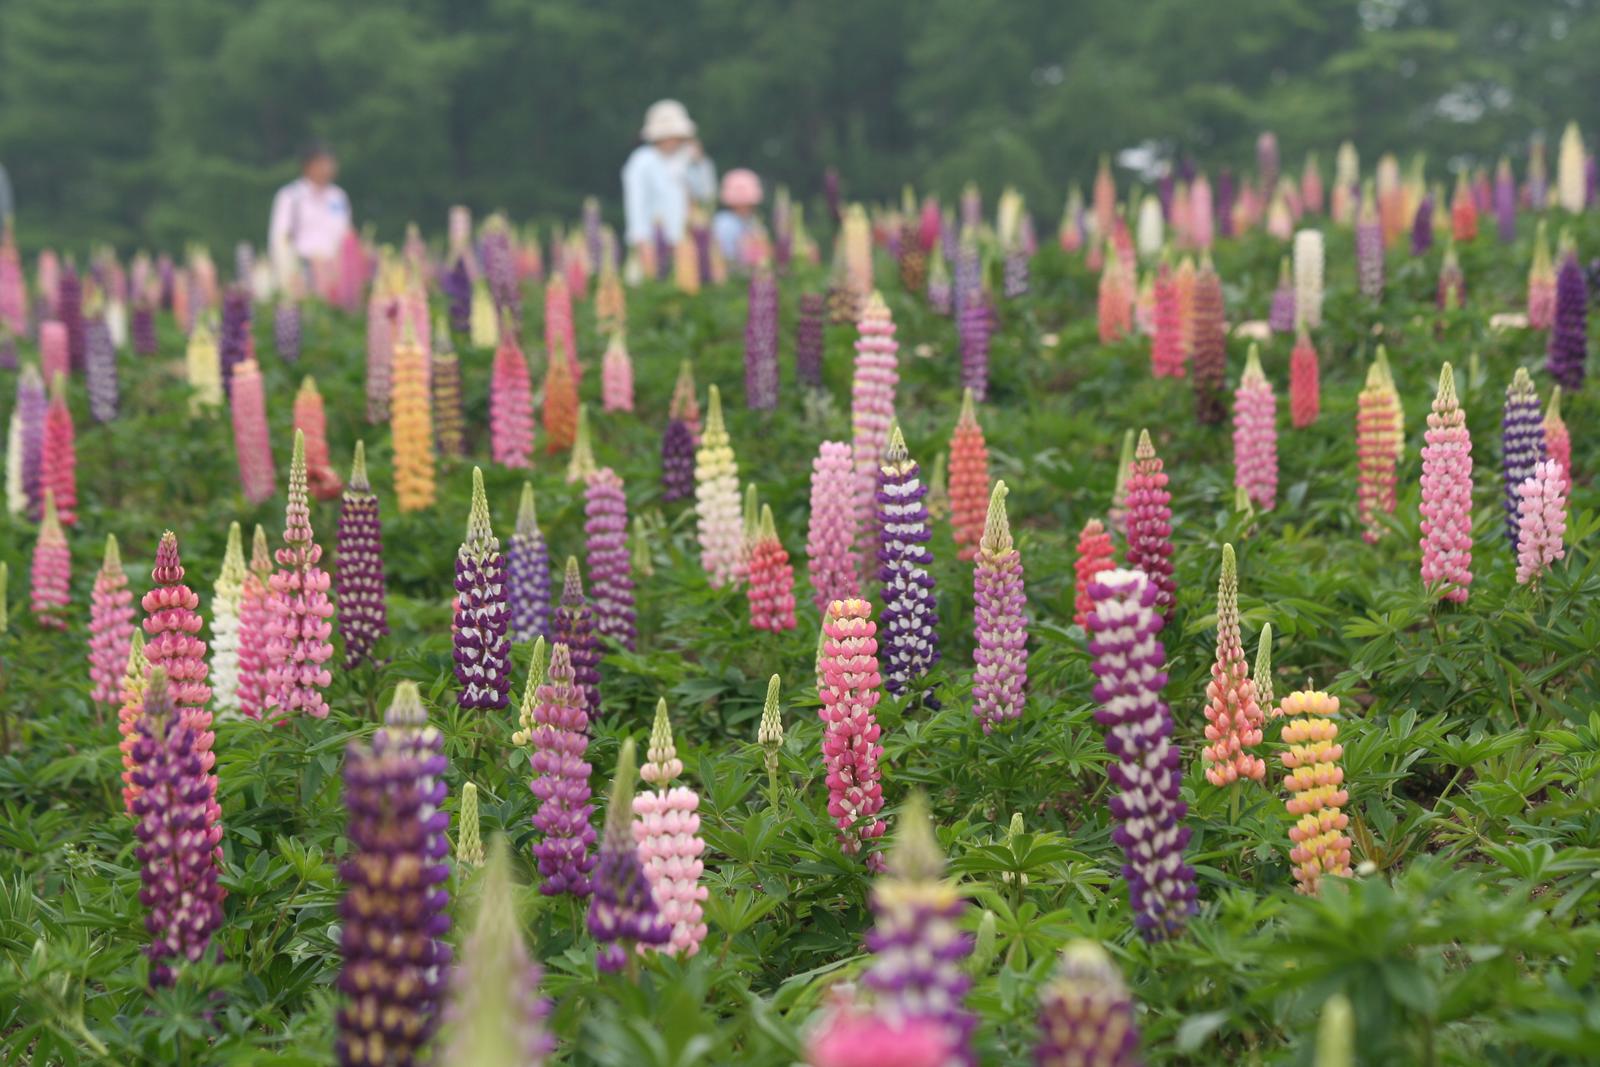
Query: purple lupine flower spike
31	406
482	648
176	868
528	573
918	970
573	626
233	345
972	319
69	310
622	911
360	588
1085	1013
143	330
101	357
394	907
610	565
761	342
1129	663
457	285
808	341
560	738
1281	315
1522	444
1569	342
908	626
677	461
286	330
1000	673
1422	227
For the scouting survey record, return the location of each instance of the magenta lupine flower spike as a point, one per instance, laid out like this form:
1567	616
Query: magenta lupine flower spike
716	492
51	573
1233	712
1000	660
1086	1013
1149	523
910	611
395	903
831	539
482	648
560	738
850	731
1255	435
918	969
176	825
257	475
1129	665
1541	521
110	627
573	626
528	573
610	576
872	411
622	909
761	342
299	629
1447	495
360	584
666	829
1522	443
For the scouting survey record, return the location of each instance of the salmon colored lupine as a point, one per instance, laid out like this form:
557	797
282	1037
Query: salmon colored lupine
666	830
969	479
560	407
1463	212
511	404
850	731
558	330
411	429
300	609
1447	495
616	376
1105	198
1313	782
1255	435
130	692
717	510
1557	439
58	457
258	476
1115	305
51	572
1094	556
1305	382
1542	521
1166	339
1233	716
771	590
310	418
1377	426
831	537
1149	520
254	620
110	626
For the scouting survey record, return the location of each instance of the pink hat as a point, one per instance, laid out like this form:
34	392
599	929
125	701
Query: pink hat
741	188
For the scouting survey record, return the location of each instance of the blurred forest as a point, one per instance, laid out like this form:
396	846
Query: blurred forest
174	119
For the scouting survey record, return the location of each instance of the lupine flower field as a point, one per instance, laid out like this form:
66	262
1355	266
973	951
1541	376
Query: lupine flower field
1158	630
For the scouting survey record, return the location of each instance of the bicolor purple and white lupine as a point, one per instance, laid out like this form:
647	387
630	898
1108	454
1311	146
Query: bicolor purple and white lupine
910	638
666	829
919	951
761	342
528	573
360	584
1129	664
101	358
1521	443
482	646
560	738
1000	660
573	626
622	908
1086	1013
395	906
606	548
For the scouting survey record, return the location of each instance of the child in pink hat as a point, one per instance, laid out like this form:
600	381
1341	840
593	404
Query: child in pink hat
737	228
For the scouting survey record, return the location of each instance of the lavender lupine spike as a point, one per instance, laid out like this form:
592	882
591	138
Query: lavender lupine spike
972	319
394	910
360	586
1522	443
610	573
573	626
101	356
1000	673
528	573
761	342
1129	665
557	726
622	911
910	619
482	648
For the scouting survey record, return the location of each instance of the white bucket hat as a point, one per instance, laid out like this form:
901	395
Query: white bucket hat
667	118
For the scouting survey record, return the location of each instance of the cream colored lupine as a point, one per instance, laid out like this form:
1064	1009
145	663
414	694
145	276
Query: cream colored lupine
716	492
1572	185
1263	672
484	323
1308	278
203	367
770	734
469	835
16	495
1150	232
530	694
858	253
226	601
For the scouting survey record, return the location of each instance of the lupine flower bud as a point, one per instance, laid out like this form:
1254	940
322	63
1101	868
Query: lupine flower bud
622	910
1129	663
1150	523
469	834
1336	1034
411	428
1305	386
58	456
528	573
1000	672
969	479
574	626
559	733
482	649
511	406
616	376
1377	432
1308	278
51	572
1447	495
1541	283
110	626
639	550
716	491
360	585
1255	435
300	608
1086	1013
940	289
311	419
685	405
561	409
1569	328
850	749
1541	521
1452	283
666	830
1263	672
770	733
1522	443
581	463
176	827
1233	715
258	476
1313	783
910	616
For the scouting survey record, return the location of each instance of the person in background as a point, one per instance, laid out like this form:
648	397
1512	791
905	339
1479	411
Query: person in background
736	228
663	176
310	217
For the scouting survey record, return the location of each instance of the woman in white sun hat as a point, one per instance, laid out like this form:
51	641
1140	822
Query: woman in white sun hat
664	175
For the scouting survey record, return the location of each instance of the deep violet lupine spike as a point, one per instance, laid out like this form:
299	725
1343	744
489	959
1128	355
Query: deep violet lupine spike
1281	314
1422	227
1086	1016
528	573
972	318
848	681
1129	665
300	610
573	625
110	627
808	344
918	969
910	619
1522	443
560	737
482	615
622	909
69	311
360	585
176	824
1569	343
456	283
1447	495
394	910
1000	671
1149	522
32	405
1233	711
233	343
677	461
610	575
287	331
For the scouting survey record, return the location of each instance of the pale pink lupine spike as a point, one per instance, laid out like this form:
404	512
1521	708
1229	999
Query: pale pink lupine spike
1447	495
1541	521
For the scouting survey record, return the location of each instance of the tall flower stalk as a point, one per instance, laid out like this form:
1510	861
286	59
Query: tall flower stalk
360	585
1255	435
1233	714
910	617
1447	495
969	479
666	830
831	538
1377	431
1305	384
573	626
622	909
1086	1015
1149	521
511	405
848	670
771	589
411	428
1569	328
877	374
559	735
1314	779
1522	443
227	600
610	574
1541	521
482	648
528	573
300	608
716	475
110	627
1000	660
